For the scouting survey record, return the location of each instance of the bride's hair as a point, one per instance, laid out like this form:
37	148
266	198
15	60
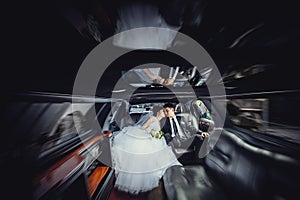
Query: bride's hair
155	109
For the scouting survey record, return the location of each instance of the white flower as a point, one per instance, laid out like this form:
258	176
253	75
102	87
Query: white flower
156	133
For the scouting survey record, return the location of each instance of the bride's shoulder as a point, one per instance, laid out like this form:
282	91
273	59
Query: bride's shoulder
153	118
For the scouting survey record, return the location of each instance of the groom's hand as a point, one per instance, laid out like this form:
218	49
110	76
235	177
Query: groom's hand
168	137
204	134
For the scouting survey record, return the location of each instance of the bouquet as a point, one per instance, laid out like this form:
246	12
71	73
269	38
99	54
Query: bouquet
156	133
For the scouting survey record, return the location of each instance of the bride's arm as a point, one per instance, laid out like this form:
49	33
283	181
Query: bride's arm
147	123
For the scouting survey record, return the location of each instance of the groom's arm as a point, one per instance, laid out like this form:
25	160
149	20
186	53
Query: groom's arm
194	131
168	137
167	134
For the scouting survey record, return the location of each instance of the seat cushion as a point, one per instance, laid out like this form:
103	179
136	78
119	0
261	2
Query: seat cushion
190	182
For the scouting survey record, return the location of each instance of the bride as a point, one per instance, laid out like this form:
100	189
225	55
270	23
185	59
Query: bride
139	158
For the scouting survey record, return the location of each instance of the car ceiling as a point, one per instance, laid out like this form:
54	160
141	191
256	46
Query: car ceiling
47	48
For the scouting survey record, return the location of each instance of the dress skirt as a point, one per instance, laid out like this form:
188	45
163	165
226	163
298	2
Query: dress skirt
139	159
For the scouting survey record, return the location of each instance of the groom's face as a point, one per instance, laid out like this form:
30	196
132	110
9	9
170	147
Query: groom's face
169	112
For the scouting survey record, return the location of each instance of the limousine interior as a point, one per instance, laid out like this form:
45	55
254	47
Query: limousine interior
56	133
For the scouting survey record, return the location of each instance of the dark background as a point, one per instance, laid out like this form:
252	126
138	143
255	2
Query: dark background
44	50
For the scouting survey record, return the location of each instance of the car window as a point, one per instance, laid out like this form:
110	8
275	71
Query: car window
269	116
143	107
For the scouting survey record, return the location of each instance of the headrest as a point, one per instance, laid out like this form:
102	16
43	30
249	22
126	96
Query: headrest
178	108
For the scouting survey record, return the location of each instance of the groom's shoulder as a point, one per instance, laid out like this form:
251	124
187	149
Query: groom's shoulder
178	117
163	120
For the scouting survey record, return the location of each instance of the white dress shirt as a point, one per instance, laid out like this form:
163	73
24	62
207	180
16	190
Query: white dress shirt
178	127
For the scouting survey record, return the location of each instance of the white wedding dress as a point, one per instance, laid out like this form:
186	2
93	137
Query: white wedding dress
139	159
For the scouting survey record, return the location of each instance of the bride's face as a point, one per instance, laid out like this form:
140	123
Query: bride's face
161	113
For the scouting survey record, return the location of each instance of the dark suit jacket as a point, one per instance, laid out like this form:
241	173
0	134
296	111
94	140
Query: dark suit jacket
166	128
189	131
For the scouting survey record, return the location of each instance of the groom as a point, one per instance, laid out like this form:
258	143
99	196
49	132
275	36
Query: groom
179	133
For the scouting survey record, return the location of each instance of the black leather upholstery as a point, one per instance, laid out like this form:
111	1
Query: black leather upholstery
190	182
135	117
186	155
235	170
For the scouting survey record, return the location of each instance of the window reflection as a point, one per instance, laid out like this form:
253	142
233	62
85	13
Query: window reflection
267	116
178	76
69	126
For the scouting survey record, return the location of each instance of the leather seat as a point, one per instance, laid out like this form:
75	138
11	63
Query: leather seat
186	155
191	182
135	117
235	169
